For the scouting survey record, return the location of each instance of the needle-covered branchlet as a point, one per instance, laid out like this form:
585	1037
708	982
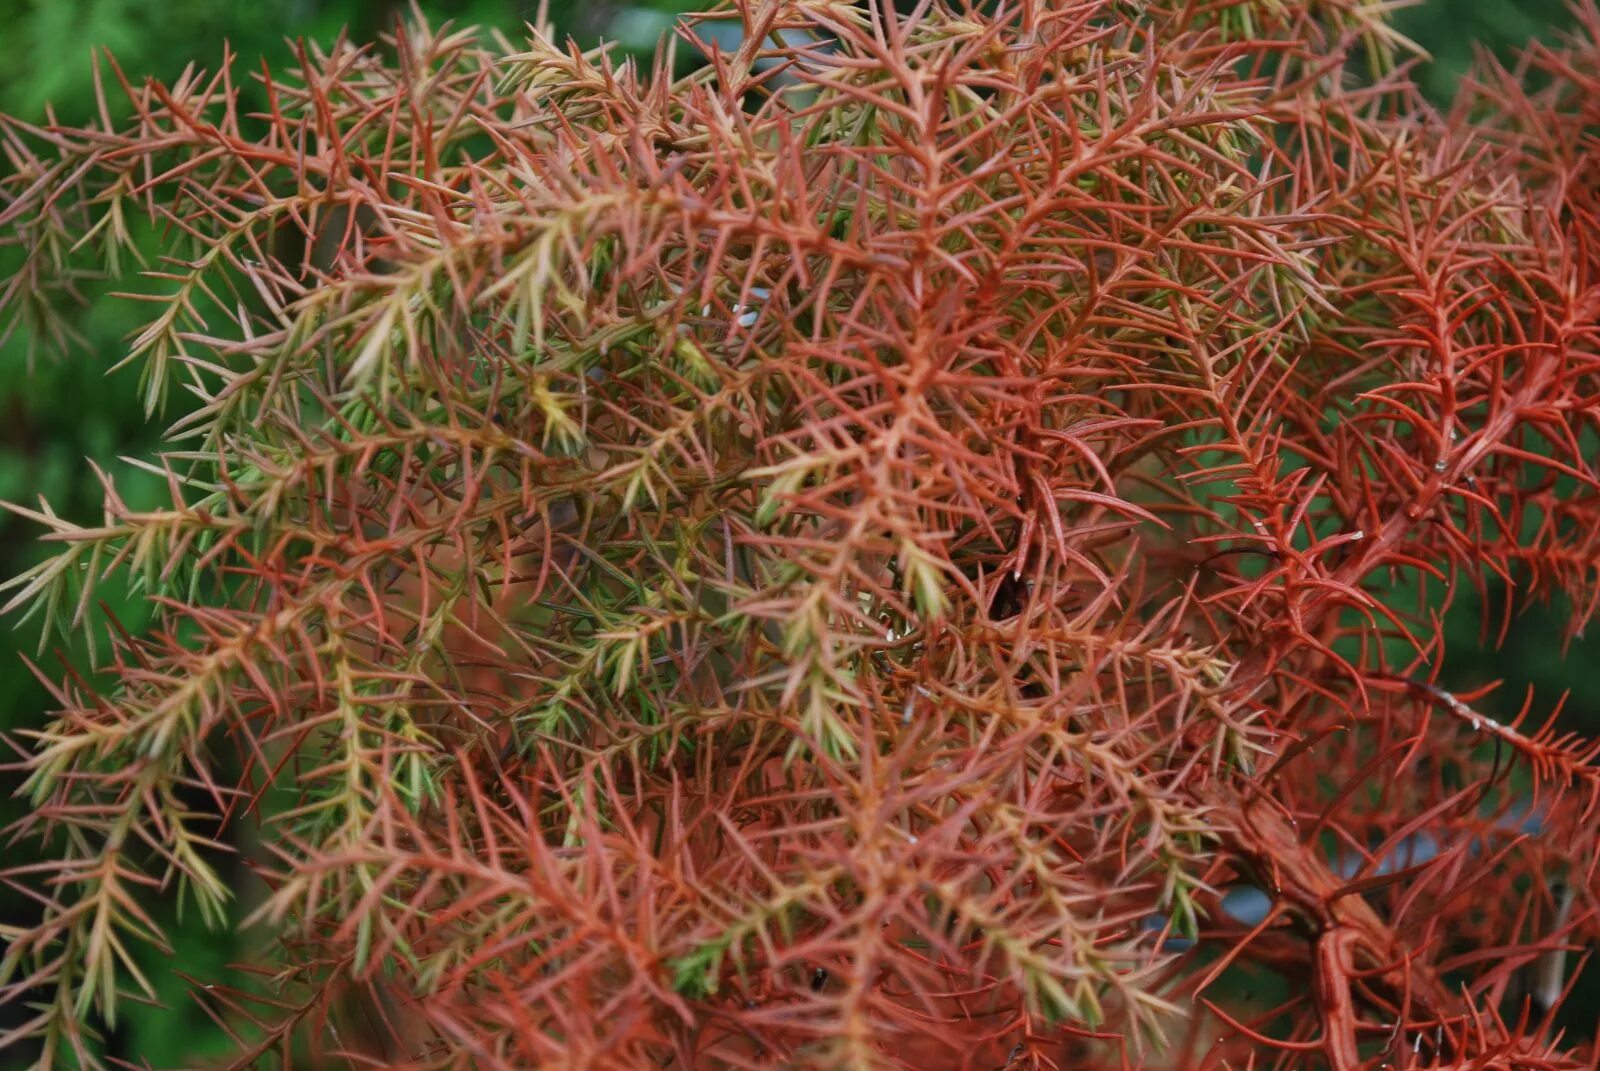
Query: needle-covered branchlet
845	559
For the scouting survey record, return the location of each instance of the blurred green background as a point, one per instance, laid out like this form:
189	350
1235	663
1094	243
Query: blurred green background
56	413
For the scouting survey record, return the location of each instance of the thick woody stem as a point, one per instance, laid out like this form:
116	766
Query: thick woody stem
1298	876
1336	962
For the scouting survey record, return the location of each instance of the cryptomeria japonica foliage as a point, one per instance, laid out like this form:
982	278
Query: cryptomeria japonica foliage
848	558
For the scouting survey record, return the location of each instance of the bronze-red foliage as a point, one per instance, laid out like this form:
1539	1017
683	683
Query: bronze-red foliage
839	559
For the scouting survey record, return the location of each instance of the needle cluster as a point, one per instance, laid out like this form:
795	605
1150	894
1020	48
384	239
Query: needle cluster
841	559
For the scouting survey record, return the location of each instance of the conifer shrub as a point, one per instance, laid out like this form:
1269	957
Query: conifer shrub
864	555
